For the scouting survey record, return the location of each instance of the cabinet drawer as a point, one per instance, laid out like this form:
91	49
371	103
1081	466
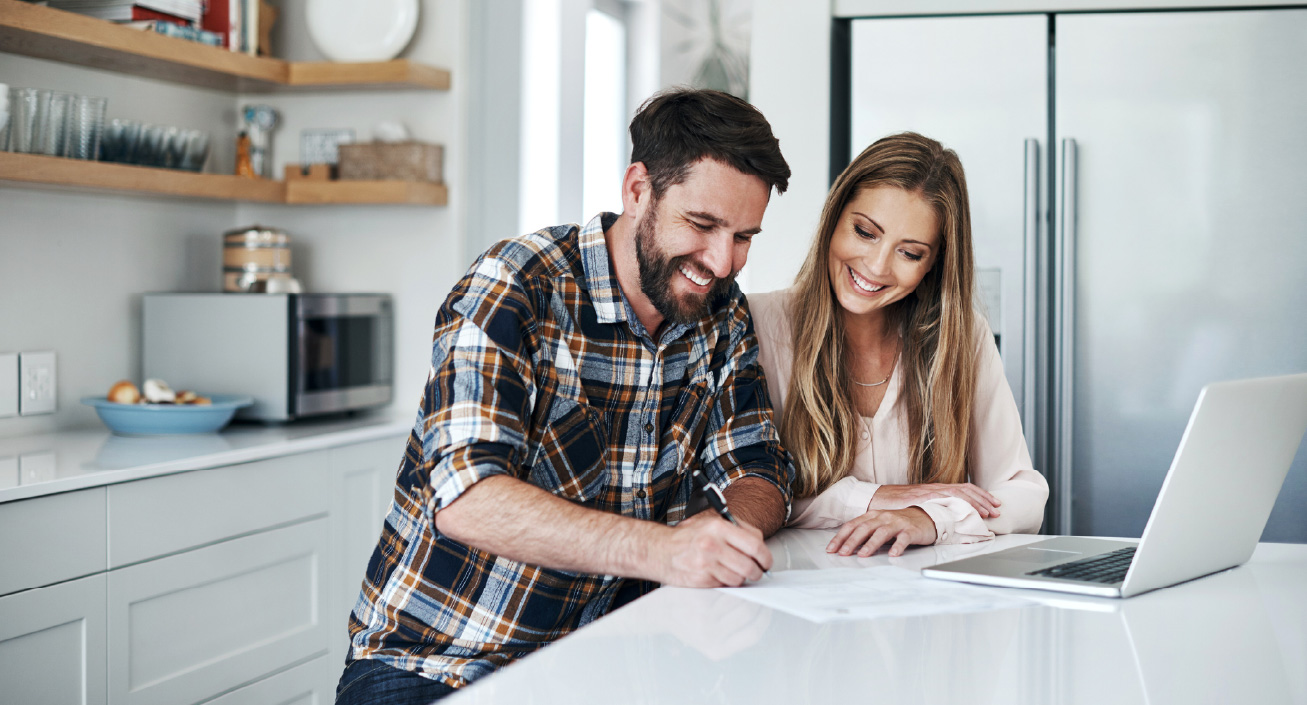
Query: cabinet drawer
52	644
188	627
46	540
163	515
306	684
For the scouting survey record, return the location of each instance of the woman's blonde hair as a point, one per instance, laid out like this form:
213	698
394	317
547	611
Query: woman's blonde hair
938	382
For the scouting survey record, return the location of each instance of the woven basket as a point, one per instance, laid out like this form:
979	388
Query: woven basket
401	161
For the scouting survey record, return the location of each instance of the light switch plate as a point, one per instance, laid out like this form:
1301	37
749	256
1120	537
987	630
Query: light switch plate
36	383
8	384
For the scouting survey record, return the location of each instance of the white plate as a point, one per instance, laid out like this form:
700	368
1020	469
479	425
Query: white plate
349	30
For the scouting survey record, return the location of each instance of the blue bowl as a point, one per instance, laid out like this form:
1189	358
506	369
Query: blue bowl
162	419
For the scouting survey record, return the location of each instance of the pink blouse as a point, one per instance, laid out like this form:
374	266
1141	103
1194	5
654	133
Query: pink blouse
999	461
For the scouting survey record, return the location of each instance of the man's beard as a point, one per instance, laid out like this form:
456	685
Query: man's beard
657	271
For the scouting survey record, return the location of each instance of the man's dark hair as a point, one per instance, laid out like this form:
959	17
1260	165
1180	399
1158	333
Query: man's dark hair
677	127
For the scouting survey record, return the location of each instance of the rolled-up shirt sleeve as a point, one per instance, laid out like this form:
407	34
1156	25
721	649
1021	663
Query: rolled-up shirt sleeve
479	391
741	439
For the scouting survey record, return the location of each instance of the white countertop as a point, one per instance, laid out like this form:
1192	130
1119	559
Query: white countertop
33	466
1237	636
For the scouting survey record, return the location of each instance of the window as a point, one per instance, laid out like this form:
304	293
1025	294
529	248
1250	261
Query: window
605	141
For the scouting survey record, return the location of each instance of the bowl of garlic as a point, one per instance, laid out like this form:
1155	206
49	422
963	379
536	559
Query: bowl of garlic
155	409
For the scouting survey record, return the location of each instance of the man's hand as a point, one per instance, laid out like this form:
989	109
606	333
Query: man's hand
867	533
707	551
904	496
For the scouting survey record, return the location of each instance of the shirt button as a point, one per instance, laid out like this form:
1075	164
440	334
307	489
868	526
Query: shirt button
865	435
640	494
648	428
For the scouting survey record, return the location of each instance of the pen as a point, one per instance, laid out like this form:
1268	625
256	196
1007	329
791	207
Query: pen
714	495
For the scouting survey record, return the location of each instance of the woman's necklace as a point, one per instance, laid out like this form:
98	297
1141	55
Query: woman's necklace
883	381
874	384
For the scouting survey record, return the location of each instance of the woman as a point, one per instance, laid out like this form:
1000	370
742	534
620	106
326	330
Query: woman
902	426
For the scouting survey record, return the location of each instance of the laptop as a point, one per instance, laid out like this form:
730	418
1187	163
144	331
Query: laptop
1214	503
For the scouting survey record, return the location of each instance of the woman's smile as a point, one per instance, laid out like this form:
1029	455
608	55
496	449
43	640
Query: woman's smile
864	285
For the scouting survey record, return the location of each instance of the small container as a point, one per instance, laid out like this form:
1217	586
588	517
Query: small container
195	150
52	123
120	141
253	254
24	111
4	117
85	127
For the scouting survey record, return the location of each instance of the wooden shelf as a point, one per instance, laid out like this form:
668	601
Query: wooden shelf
102	176
46	33
417	193
122	178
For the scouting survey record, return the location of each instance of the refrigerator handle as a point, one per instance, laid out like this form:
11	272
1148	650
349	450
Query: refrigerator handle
1065	294
1031	224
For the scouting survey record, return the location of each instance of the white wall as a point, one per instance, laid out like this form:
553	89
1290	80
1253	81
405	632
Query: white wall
792	89
73	265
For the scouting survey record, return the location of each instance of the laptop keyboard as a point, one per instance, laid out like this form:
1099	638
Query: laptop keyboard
1106	568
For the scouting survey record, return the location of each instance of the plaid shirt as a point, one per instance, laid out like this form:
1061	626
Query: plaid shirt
540	370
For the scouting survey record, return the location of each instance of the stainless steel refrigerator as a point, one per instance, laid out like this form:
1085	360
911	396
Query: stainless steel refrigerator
1138	186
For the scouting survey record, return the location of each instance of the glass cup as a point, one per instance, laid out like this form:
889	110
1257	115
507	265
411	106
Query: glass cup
4	117
85	127
24	106
149	149
174	144
195	151
118	144
52	122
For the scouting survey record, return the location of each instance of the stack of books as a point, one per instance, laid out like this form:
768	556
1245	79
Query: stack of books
230	23
181	31
177	11
237	21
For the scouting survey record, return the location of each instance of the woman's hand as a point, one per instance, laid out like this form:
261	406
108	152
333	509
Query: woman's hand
903	496
876	528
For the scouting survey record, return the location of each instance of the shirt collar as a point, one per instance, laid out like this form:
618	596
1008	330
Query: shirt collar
610	302
600	281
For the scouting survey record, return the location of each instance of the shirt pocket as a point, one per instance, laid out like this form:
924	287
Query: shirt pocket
688	423
571	457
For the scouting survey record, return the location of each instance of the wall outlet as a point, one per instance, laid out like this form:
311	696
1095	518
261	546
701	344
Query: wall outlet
8	384
37	383
37	467
9	476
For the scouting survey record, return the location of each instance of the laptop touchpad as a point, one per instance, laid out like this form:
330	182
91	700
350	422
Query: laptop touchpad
1036	555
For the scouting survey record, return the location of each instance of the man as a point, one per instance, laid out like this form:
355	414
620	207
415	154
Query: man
577	376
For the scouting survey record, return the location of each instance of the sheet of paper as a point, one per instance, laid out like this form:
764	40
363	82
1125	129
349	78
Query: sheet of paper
869	593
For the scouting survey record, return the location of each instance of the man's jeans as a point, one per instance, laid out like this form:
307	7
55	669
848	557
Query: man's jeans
371	682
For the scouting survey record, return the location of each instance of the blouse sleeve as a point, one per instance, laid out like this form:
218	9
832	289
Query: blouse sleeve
999	461
846	499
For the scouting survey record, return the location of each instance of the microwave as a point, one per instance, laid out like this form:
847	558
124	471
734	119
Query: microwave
298	355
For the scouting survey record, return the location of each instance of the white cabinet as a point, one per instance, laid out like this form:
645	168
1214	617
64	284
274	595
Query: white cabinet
46	540
229	585
52	644
300	685
364	477
162	515
185	628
